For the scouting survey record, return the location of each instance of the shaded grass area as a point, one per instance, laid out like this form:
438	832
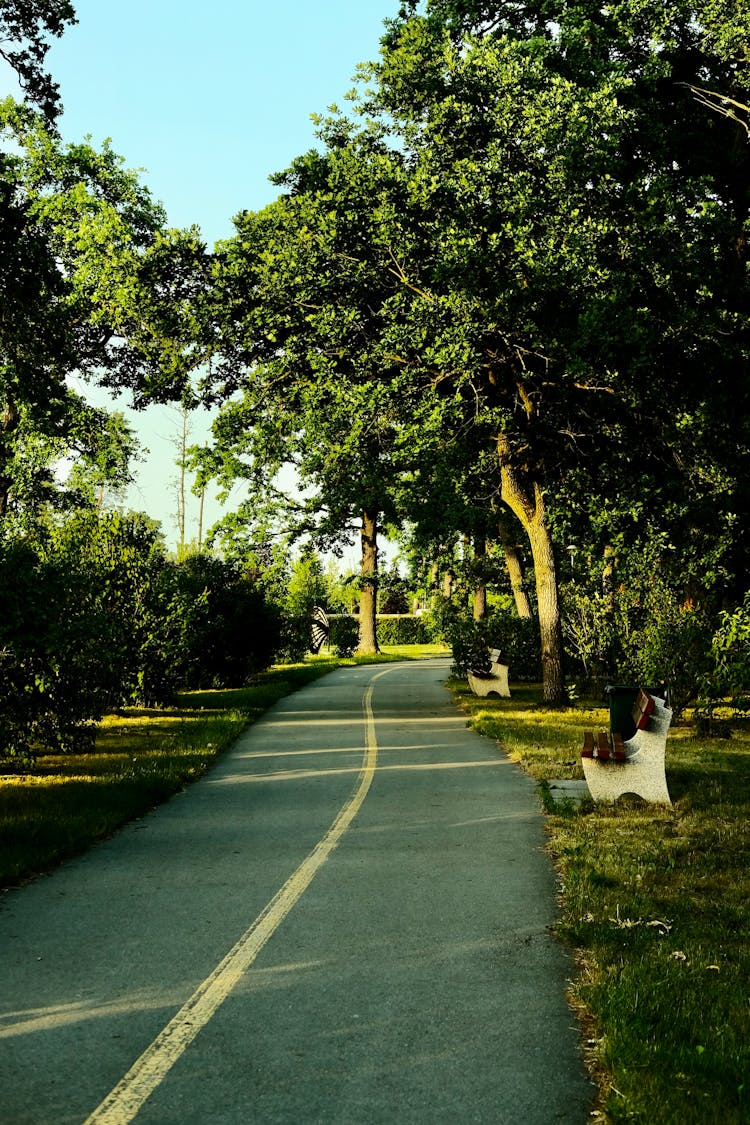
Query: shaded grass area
65	803
656	902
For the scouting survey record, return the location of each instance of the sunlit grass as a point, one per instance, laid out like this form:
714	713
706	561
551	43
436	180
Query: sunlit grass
656	902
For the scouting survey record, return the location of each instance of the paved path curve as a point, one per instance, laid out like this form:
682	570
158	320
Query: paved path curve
344	923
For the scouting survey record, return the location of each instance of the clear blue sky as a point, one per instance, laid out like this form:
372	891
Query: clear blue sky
209	99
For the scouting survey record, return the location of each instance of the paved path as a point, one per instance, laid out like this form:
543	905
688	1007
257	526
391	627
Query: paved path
344	922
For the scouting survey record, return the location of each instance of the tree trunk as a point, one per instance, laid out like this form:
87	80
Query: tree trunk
8	423
480	590
368	637
524	498
480	603
515	572
201	504
608	577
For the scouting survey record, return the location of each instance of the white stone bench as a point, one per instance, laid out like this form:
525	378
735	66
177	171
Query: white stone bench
494	682
615	767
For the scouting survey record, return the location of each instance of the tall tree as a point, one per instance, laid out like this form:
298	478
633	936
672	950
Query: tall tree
99	448
300	309
90	282
587	236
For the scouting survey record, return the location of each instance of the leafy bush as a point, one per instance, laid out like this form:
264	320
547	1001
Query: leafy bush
344	635
92	615
68	605
307	588
518	640
730	649
590	629
728	682
403	631
229	629
470	646
664	638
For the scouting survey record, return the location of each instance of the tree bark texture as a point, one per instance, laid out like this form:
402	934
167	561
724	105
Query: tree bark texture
368	600
524	497
480	603
515	572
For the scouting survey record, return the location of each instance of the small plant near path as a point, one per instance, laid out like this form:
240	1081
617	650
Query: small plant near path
656	902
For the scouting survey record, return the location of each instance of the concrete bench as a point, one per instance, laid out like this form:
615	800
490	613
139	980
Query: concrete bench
613	766
494	682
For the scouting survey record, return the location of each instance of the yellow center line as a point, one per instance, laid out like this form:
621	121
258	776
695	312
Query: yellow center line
123	1103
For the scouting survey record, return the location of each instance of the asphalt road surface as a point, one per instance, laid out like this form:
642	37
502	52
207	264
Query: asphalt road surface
345	922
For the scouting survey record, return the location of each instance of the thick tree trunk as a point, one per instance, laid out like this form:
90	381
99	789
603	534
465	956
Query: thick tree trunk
524	498
480	603
515	572
368	600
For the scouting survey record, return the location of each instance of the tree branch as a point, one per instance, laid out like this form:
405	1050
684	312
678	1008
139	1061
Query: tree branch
400	275
720	103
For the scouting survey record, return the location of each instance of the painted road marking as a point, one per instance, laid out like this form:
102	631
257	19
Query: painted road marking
146	1074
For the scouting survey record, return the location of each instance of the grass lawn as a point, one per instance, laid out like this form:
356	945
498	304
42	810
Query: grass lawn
656	903
142	757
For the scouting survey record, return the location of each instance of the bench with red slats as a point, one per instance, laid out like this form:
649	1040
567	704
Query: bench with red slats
611	748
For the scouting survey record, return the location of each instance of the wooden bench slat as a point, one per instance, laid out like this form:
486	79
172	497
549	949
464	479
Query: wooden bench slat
643	708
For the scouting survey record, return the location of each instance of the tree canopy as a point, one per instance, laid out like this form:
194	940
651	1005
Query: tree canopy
533	234
92	280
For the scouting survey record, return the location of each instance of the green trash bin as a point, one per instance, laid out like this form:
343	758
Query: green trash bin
621	699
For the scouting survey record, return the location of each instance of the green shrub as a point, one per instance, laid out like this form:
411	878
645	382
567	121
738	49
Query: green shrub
403	631
730	649
69	607
344	635
668	639
590	629
727	685
230	628
518	640
93	616
469	645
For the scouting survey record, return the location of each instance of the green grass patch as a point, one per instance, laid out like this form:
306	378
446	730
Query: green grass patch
656	902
